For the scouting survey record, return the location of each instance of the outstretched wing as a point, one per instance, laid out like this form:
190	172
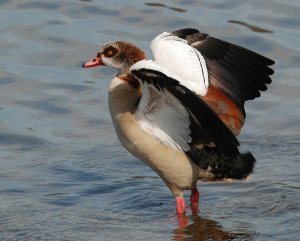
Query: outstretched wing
182	60
176	115
238	72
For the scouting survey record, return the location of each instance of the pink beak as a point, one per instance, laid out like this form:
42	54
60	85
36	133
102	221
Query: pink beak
93	63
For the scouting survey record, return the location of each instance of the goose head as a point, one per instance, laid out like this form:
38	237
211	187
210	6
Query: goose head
118	55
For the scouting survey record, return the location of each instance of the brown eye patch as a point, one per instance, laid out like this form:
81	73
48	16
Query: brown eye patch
110	51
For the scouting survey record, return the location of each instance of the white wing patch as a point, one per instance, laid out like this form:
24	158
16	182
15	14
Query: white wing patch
150	64
161	114
182	60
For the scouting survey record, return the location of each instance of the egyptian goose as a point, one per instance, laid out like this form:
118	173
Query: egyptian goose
180	112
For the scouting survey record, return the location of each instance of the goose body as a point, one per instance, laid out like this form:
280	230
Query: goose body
180	112
172	165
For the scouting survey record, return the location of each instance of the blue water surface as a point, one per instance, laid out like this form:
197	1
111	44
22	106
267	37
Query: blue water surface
63	173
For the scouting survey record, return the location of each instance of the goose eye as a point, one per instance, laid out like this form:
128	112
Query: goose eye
110	52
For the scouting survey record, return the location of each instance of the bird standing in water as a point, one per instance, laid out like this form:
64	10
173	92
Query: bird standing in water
181	112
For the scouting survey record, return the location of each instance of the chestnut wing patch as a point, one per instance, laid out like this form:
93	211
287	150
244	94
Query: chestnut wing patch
238	72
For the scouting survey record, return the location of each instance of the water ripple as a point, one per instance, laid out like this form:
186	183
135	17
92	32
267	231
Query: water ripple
65	176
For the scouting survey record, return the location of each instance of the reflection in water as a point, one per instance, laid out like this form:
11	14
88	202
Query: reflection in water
252	27
205	229
165	6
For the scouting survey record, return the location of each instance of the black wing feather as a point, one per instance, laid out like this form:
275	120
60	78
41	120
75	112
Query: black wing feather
238	72
206	126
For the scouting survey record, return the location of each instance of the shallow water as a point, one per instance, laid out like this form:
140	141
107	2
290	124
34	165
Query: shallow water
64	174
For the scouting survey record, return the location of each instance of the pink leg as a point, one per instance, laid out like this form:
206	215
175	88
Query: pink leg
180	206
194	198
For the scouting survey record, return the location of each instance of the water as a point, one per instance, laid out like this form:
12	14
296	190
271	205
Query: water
64	174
